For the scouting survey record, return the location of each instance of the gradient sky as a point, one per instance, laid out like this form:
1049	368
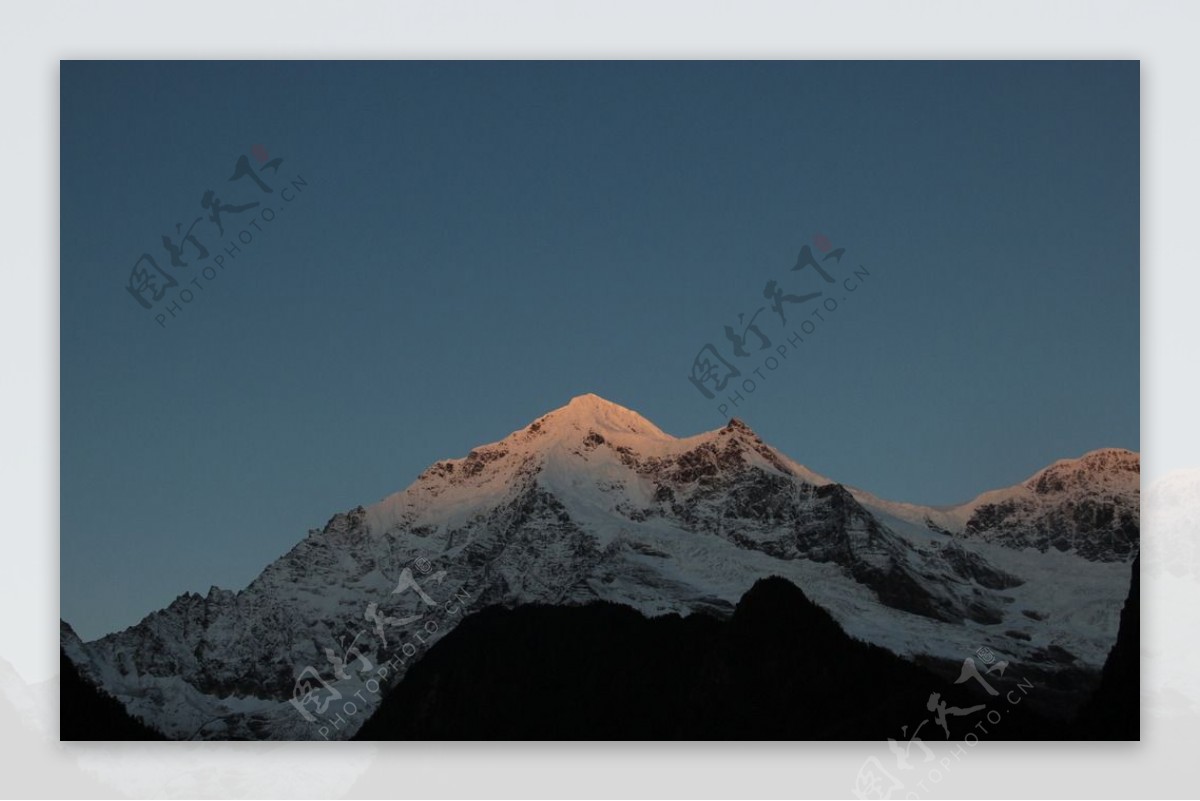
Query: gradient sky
479	242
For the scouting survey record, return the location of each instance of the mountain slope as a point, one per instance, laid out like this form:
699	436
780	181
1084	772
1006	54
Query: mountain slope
1088	506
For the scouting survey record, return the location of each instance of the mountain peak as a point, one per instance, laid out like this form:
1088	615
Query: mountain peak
590	400
591	411
1105	465
736	424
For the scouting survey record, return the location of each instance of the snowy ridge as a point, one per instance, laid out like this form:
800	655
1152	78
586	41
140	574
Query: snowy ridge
548	443
1088	506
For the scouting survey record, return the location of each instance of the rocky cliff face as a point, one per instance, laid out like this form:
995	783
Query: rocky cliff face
593	502
1088	506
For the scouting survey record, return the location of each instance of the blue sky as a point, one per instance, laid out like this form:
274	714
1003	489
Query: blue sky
475	243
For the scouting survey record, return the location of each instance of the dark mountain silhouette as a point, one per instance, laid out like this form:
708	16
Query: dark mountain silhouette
1114	710
87	712
780	668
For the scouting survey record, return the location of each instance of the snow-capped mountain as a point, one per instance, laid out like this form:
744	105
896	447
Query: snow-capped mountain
593	501
1088	506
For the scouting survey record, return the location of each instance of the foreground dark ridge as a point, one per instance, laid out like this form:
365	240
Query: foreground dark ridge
780	669
86	712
